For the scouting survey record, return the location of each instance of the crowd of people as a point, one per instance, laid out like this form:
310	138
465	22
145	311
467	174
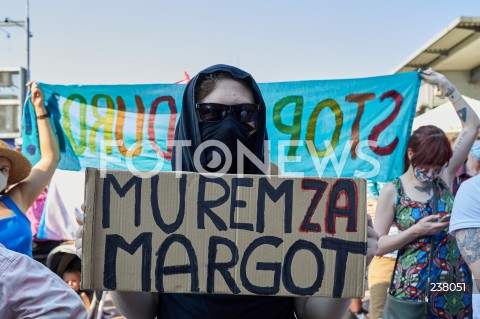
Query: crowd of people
28	289
421	238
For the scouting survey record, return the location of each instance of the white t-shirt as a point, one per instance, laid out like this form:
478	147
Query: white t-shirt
466	207
466	214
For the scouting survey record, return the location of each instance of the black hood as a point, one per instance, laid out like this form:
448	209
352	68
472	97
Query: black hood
188	128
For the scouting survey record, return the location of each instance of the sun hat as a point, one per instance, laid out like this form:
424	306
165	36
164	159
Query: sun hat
21	166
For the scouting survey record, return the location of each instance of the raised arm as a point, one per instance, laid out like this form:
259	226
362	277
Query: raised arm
25	192
468	118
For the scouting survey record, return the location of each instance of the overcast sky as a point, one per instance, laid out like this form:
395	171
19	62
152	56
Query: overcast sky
148	41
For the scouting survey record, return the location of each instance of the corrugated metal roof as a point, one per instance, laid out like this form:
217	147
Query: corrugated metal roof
455	48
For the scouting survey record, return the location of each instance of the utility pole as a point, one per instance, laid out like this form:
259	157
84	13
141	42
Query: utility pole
27	29
26	26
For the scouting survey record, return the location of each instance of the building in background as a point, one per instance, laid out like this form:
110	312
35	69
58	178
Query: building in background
12	97
455	52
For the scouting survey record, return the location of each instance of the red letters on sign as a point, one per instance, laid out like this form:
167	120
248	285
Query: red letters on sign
342	202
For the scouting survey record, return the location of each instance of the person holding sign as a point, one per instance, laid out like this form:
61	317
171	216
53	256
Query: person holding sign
28	183
223	106
419	203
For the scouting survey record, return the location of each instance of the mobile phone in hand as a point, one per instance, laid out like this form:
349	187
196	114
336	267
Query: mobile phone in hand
445	218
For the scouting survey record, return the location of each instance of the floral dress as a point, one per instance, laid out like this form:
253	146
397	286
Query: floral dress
451	285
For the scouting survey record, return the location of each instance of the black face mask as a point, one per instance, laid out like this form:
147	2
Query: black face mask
228	131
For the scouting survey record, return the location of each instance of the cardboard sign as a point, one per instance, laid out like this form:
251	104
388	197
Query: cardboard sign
252	235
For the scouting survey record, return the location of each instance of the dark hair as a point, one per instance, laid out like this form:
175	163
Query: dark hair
430	147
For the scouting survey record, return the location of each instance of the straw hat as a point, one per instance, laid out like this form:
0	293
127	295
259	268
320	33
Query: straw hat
21	166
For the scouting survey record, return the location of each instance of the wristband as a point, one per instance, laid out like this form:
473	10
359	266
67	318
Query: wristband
43	116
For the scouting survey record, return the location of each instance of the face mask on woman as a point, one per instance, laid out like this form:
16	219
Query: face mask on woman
3	182
228	132
426	175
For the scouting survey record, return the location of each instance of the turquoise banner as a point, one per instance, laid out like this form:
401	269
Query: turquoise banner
329	128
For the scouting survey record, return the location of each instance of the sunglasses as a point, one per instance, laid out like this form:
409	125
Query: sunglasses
215	112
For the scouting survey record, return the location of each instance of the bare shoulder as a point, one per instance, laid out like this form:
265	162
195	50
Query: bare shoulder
388	190
15	195
385	209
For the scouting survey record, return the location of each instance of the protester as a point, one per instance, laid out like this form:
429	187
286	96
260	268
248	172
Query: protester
25	184
469	169
465	223
465	226
40	247
408	201
30	290
224	103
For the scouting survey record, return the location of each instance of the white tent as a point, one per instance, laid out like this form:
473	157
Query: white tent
445	117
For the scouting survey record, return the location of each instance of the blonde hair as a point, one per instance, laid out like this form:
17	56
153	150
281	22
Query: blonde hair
207	83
